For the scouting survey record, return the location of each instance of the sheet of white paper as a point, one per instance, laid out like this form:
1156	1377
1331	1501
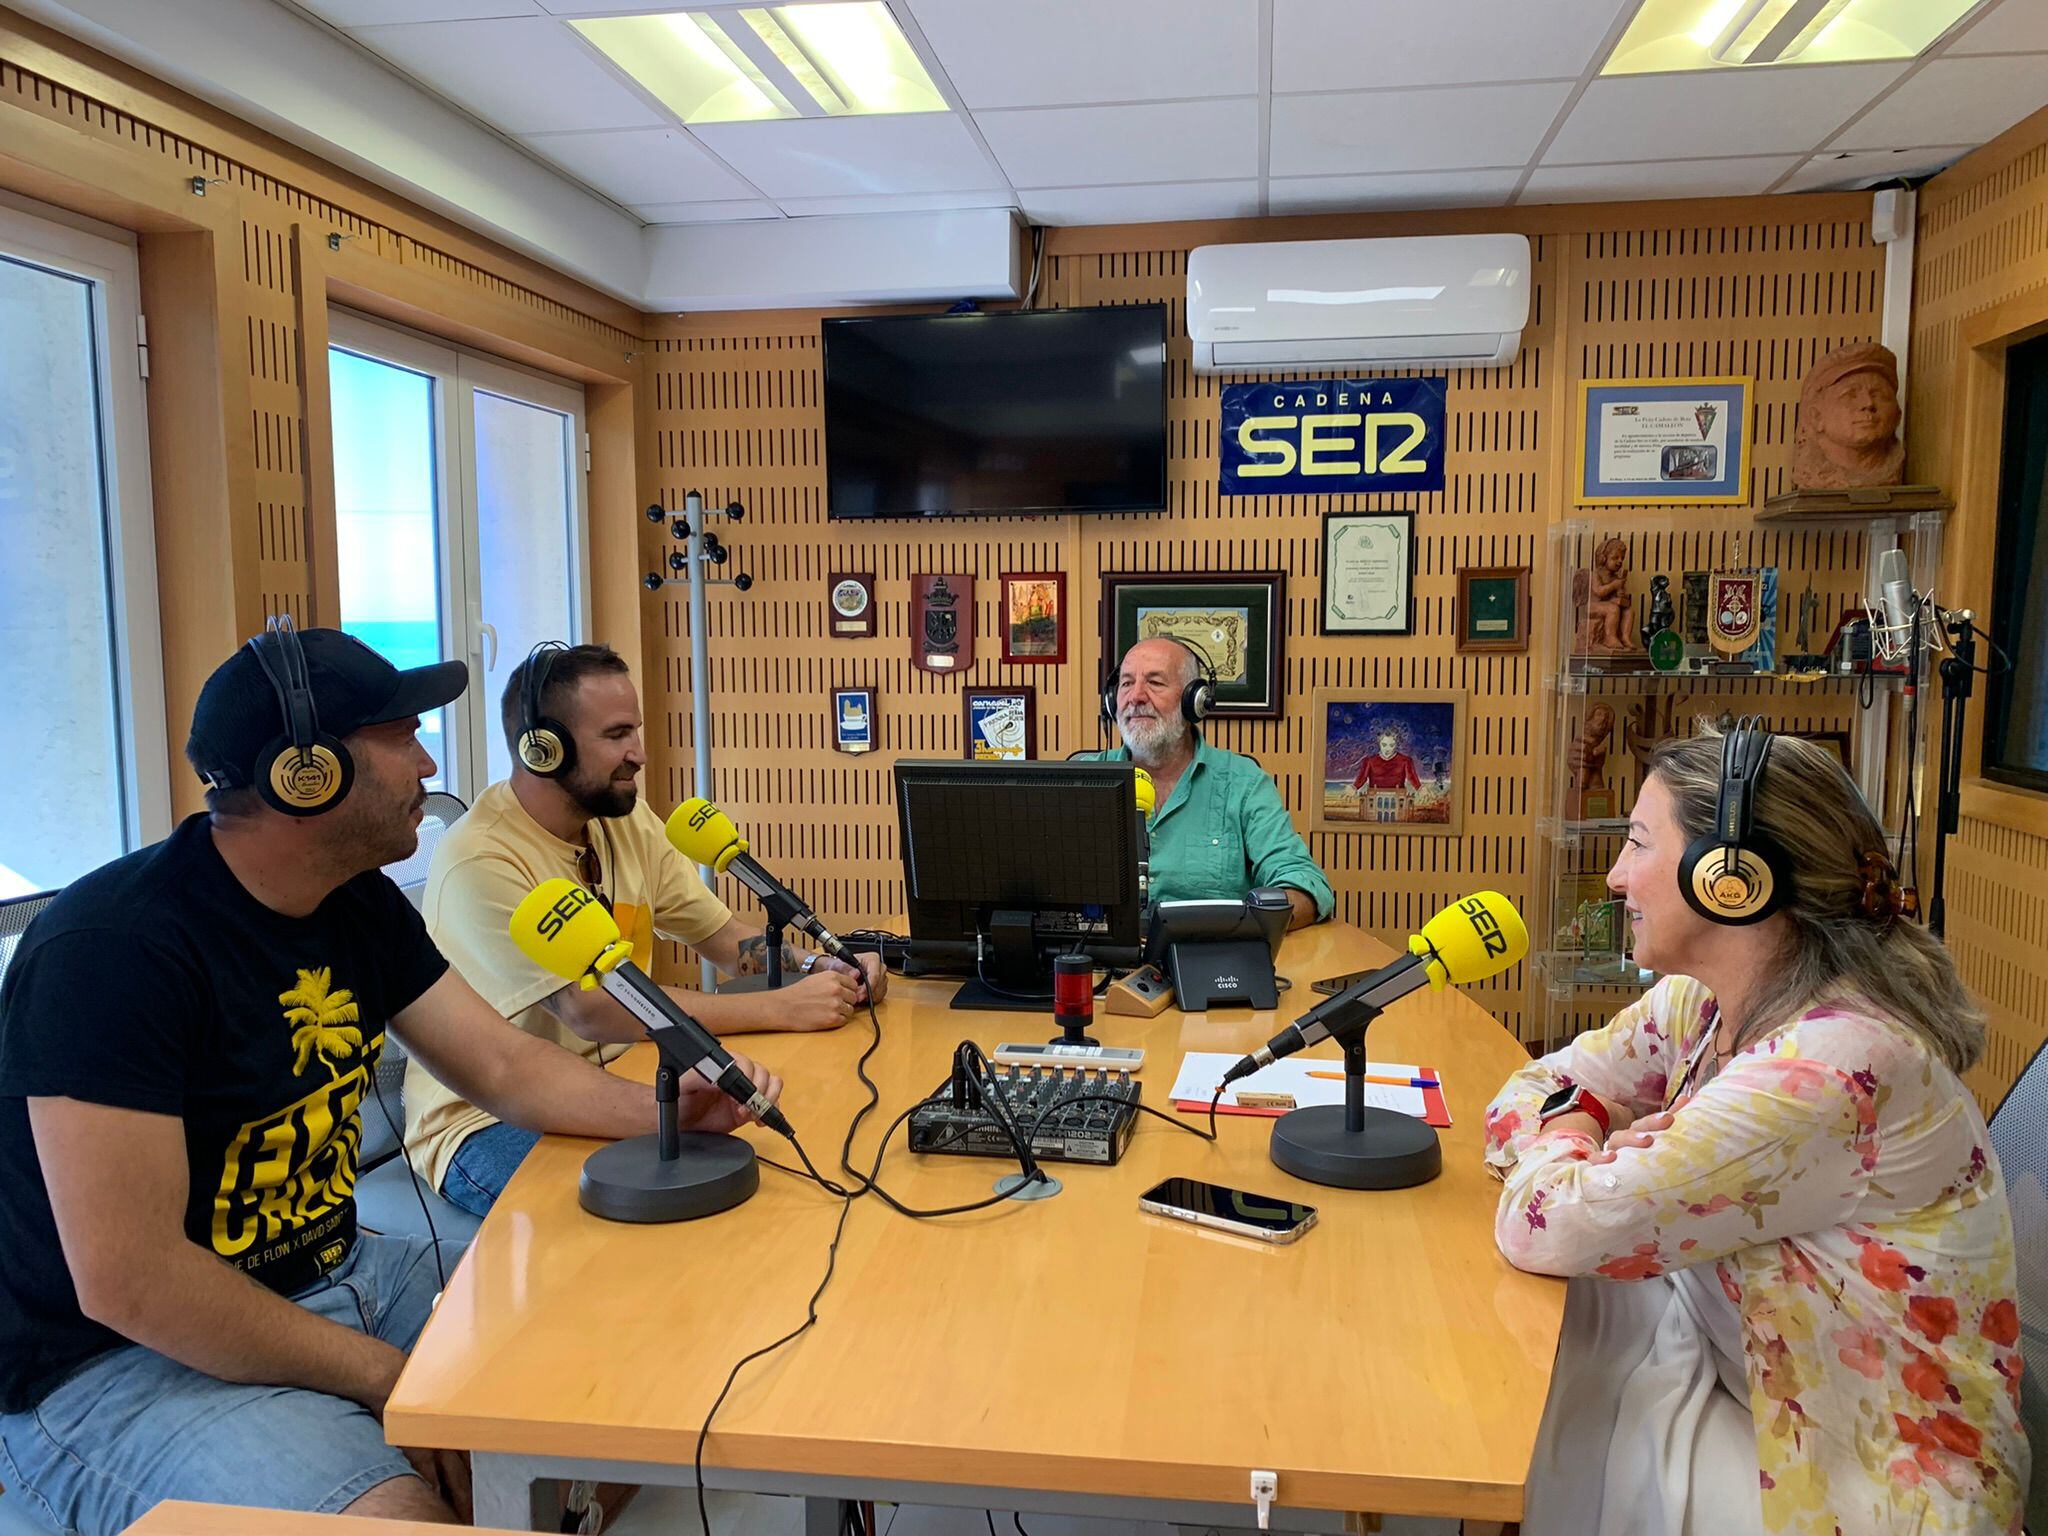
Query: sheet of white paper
1200	1071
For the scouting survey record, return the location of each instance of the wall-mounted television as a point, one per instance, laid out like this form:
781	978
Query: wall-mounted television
1039	410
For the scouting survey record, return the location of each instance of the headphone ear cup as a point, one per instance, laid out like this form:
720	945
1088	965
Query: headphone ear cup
304	784
1736	891
546	749
1197	699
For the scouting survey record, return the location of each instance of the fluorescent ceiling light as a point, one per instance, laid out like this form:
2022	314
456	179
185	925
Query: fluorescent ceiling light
778	61
1671	35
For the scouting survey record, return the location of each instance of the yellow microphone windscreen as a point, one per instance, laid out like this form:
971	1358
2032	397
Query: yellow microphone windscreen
1472	939
562	928
1148	793
704	834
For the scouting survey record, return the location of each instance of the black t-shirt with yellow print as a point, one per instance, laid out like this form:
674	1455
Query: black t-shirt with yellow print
158	983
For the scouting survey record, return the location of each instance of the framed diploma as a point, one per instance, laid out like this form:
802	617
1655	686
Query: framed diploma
1235	622
1675	442
1368	573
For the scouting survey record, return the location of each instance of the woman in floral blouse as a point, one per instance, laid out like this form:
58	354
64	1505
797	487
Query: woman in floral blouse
1793	1304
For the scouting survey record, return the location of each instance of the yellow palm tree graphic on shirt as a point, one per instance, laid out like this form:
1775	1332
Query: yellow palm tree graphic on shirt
323	1018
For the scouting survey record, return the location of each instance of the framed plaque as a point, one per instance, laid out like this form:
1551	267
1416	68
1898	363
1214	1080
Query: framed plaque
1493	608
853	719
1368	573
1034	617
1237	623
1001	724
942	622
1678	442
851	603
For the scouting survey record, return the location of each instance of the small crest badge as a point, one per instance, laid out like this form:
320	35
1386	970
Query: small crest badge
1734	613
1705	414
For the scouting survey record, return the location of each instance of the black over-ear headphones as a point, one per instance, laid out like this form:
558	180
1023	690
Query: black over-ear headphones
304	771
1733	874
545	747
1196	700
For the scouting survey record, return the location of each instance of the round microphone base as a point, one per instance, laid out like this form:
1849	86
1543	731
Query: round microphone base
628	1181
1394	1151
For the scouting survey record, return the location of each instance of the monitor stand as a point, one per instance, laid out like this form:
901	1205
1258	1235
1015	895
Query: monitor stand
1010	977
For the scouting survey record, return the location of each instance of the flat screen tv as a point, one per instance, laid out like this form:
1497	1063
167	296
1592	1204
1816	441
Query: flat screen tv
1041	410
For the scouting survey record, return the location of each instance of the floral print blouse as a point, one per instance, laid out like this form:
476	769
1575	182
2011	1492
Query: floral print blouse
1841	1181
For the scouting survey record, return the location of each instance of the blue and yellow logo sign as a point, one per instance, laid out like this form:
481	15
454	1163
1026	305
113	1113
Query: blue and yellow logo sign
1329	437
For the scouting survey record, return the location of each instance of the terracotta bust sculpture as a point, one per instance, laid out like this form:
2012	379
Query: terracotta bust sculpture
1602	595
1849	422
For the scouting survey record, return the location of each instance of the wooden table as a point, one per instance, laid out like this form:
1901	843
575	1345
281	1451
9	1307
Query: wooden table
175	1517
1068	1355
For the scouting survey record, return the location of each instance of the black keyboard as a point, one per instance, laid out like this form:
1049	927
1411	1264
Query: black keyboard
1068	1116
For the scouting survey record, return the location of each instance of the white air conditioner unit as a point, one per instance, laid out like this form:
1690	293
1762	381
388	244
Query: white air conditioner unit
1428	301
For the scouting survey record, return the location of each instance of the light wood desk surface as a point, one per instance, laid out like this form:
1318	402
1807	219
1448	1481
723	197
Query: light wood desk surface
1389	1361
174	1517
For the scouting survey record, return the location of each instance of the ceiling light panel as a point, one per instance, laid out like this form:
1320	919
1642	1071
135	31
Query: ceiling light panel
689	65
1672	35
860	50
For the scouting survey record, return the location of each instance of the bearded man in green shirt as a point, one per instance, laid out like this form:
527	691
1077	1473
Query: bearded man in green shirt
1219	828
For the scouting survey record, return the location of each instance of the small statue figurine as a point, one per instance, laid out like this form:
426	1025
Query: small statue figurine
1602	595
1663	612
1848	433
1589	797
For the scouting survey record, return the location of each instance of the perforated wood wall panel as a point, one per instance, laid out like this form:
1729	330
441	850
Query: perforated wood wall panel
1760	288
1983	240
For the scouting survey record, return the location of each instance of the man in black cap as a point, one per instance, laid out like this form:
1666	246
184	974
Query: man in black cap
186	1038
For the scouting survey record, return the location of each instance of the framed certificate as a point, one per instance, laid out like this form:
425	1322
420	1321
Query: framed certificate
1368	573
1236	623
1675	442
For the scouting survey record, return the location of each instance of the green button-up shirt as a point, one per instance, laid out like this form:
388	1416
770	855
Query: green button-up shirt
1223	831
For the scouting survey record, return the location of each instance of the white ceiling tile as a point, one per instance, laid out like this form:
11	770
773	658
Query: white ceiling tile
848	156
1098	146
1338	45
1405	189
619	7
1848	170
1375	131
2012	26
999	53
370	13
641	165
1954	101
1783	109
1654	179
1149	204
911	202
524	76
707	213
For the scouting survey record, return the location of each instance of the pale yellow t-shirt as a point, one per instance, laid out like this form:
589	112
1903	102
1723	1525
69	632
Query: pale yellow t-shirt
480	871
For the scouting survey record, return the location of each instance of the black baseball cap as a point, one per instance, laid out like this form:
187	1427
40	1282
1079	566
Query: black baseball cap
239	712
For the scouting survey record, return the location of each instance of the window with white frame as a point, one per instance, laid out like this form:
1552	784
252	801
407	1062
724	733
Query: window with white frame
459	494
86	774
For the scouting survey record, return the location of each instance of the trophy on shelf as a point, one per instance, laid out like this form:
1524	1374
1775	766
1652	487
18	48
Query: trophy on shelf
1660	632
1803	659
1601	602
1589	797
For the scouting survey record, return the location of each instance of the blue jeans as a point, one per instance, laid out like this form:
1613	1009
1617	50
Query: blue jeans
484	1164
133	1428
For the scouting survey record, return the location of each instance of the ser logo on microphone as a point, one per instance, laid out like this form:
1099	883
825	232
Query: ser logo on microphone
701	815
558	916
1485	924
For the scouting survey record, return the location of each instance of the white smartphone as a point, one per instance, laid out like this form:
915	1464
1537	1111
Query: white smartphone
1111	1058
1228	1210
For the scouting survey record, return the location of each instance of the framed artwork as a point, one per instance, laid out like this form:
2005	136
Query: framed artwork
1000	724
1034	617
1236	622
1368	573
1676	442
1493	608
853	719
1388	760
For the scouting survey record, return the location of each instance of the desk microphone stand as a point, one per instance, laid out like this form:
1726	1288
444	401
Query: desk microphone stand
672	1175
1957	671
771	979
1352	1146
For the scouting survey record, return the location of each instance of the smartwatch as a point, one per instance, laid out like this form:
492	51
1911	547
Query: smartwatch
1571	1099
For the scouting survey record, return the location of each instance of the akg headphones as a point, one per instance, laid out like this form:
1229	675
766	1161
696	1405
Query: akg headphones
1732	874
304	771
545	747
1196	700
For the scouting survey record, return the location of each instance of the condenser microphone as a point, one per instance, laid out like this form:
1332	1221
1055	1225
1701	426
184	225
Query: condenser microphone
1468	941
1896	602
704	834
566	931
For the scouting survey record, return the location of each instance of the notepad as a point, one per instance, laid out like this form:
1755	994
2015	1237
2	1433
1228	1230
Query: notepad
1200	1071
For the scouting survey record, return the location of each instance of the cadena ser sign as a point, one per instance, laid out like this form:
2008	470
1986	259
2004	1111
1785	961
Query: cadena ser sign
1330	437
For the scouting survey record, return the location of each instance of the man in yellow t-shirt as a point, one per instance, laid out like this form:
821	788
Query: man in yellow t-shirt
585	821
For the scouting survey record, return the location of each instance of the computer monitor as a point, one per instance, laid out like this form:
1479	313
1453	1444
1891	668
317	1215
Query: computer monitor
1006	865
